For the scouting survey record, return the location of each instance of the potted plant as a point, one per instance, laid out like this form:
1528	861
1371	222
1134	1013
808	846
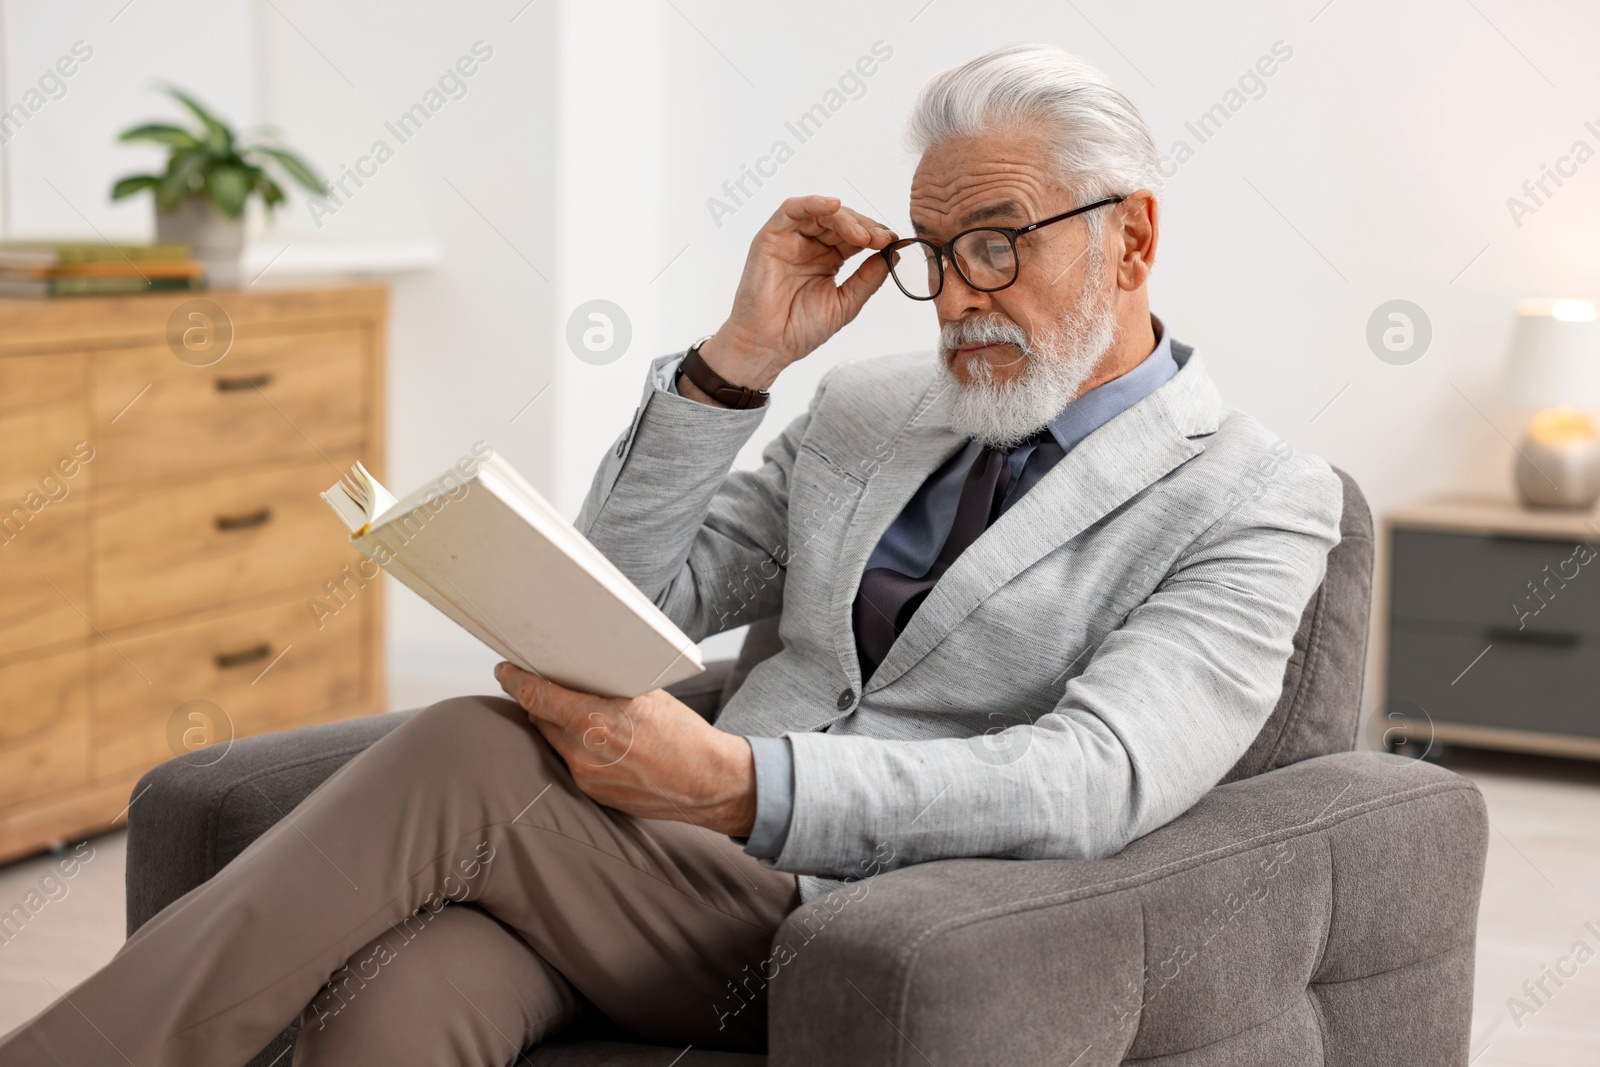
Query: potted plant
201	196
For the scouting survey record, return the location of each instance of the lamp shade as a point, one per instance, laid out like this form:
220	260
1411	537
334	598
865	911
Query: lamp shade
1555	355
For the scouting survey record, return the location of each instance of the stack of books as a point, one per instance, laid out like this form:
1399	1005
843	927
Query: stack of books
64	268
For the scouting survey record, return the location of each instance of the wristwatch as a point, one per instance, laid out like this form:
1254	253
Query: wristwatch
715	385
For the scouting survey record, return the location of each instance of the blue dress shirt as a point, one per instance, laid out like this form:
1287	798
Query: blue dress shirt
912	543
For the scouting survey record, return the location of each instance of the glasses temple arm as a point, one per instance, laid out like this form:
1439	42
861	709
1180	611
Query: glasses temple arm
1068	214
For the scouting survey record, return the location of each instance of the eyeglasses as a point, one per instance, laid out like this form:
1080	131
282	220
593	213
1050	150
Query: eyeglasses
985	258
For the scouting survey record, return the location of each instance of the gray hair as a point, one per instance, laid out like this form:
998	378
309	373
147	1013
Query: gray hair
1101	143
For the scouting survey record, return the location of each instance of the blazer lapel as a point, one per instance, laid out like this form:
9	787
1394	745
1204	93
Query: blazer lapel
1104	471
923	443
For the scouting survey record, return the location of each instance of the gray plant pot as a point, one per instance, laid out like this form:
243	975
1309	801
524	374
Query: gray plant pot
212	237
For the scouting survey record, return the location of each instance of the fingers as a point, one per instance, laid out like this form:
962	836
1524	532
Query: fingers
538	696
569	750
860	286
826	219
796	208
558	732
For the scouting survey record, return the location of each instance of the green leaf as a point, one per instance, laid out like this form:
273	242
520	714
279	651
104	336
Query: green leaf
210	163
132	184
228	187
185	177
161	133
294	166
219	138
271	192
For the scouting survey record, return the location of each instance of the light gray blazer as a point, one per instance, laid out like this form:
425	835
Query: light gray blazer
1085	672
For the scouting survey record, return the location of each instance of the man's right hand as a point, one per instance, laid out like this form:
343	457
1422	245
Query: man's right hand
787	305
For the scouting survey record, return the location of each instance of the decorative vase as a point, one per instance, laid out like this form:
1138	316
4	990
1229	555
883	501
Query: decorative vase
1558	464
214	239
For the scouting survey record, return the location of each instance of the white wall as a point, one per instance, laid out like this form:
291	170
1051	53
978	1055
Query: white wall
1390	140
1376	165
469	340
64	157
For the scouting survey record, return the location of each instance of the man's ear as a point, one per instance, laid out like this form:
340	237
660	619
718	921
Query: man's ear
1139	225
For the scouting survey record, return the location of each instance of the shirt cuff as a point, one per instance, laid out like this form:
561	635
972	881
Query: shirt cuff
664	376
774	795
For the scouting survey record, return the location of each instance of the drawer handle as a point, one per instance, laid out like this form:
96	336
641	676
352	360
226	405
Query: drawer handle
234	385
260	517
254	654
1533	637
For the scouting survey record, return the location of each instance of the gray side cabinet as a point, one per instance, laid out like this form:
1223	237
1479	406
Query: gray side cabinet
1493	627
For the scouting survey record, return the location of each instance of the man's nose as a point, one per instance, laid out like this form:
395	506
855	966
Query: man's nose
958	300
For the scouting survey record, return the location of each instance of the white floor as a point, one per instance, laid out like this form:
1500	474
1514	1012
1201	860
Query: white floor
1542	886
77	924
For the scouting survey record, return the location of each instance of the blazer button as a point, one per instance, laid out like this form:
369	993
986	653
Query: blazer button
846	698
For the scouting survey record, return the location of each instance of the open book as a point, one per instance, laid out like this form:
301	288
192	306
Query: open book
486	549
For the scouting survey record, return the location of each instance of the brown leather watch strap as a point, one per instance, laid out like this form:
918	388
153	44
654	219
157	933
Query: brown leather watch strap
715	385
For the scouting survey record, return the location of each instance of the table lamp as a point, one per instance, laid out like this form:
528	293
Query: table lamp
1555	367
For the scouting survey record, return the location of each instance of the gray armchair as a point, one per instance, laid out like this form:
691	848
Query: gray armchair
1317	907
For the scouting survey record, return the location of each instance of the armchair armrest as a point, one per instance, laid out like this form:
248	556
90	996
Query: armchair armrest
193	814
1324	912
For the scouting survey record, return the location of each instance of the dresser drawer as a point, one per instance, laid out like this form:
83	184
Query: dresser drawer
1472	579
162	552
264	669
44	578
270	398
44	725
42	448
47	378
1549	685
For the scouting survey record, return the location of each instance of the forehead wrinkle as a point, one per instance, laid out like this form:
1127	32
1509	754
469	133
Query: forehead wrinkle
999	200
989	186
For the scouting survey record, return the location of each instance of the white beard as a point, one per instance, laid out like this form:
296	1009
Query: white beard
1057	363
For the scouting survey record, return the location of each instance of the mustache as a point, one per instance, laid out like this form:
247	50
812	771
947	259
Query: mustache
990	330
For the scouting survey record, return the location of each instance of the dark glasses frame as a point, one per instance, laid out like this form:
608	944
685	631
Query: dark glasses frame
947	250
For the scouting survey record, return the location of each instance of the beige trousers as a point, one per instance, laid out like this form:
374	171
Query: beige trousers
448	896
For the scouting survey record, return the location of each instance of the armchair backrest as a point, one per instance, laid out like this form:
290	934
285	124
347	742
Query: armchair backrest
1319	711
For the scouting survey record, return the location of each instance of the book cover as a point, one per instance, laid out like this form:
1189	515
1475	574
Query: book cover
93	286
117	268
65	253
488	551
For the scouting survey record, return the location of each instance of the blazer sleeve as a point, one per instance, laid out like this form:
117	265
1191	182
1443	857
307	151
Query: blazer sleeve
706	545
1168	703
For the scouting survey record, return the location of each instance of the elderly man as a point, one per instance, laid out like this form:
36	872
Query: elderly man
1037	591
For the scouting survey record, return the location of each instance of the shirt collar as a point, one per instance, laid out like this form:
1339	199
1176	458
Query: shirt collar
1087	413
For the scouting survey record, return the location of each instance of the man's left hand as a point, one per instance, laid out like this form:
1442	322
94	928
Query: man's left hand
651	756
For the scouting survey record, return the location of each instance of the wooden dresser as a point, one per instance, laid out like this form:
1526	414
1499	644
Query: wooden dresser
162	546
